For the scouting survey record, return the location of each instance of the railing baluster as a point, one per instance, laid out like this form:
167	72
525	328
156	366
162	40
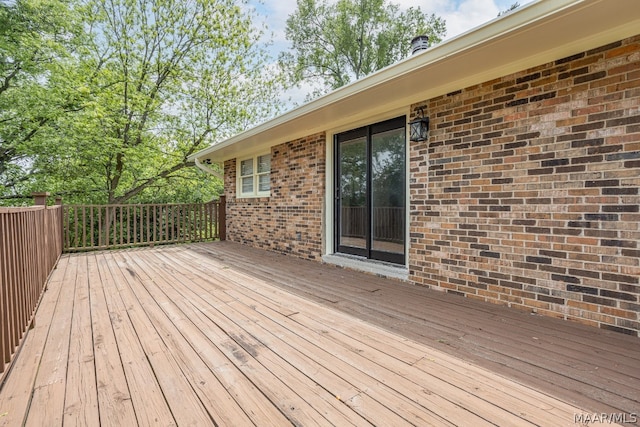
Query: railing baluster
99	208
185	222
84	227
180	228
10	298
121	225
215	215
172	222
208	218
16	279
107	225
196	222
218	211
155	222
148	227
213	218
189	222
199	229
90	231
5	350
165	223
135	225
177	227
193	221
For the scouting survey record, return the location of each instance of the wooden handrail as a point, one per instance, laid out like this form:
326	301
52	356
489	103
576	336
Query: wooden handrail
30	247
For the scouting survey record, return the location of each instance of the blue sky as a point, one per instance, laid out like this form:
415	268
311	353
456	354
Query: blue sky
460	16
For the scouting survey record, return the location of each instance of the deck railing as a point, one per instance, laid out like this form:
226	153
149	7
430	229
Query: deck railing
387	223
33	238
30	246
91	227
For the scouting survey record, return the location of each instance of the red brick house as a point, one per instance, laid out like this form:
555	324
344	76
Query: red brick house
525	193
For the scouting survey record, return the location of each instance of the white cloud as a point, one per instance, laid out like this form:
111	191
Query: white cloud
460	16
469	14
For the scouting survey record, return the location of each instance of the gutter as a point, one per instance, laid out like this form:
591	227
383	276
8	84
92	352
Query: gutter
207	169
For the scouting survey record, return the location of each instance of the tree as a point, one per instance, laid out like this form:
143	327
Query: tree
511	8
36	39
159	80
336	43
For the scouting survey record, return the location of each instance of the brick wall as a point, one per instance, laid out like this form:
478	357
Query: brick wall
527	192
290	220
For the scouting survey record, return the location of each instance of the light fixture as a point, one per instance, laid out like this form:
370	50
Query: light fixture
419	127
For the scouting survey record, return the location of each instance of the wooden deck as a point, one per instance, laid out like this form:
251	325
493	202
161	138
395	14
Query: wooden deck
221	334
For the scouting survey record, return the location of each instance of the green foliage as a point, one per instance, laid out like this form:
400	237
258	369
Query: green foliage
145	84
165	79
36	42
335	44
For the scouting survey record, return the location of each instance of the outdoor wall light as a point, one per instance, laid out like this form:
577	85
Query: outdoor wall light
419	128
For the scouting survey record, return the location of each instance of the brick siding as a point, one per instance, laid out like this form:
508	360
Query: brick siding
290	220
527	192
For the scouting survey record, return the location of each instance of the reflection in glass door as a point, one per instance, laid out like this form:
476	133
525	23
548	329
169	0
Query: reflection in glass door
370	191
353	197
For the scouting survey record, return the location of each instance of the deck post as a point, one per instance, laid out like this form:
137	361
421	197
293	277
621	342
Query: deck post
222	218
40	199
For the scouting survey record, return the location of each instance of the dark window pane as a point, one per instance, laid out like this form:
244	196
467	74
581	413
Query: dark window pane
353	196
387	191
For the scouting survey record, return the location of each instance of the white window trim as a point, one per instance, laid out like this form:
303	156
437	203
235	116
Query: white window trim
255	193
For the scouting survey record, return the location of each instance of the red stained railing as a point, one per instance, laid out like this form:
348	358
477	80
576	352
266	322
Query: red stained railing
91	227
30	246
33	238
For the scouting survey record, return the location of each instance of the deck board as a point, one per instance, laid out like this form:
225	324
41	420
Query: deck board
124	377
50	382
577	361
15	395
222	334
81	398
244	347
225	392
146	394
185	405
376	360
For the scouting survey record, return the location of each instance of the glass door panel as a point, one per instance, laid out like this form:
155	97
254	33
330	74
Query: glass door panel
387	191
352	193
370	191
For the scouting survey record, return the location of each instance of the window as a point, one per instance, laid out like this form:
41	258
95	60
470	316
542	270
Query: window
254	176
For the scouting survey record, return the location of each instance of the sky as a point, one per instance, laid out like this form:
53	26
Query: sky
459	15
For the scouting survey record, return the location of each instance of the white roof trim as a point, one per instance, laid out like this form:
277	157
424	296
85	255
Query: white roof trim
534	34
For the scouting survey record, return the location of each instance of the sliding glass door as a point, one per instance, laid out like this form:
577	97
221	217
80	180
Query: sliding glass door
370	191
